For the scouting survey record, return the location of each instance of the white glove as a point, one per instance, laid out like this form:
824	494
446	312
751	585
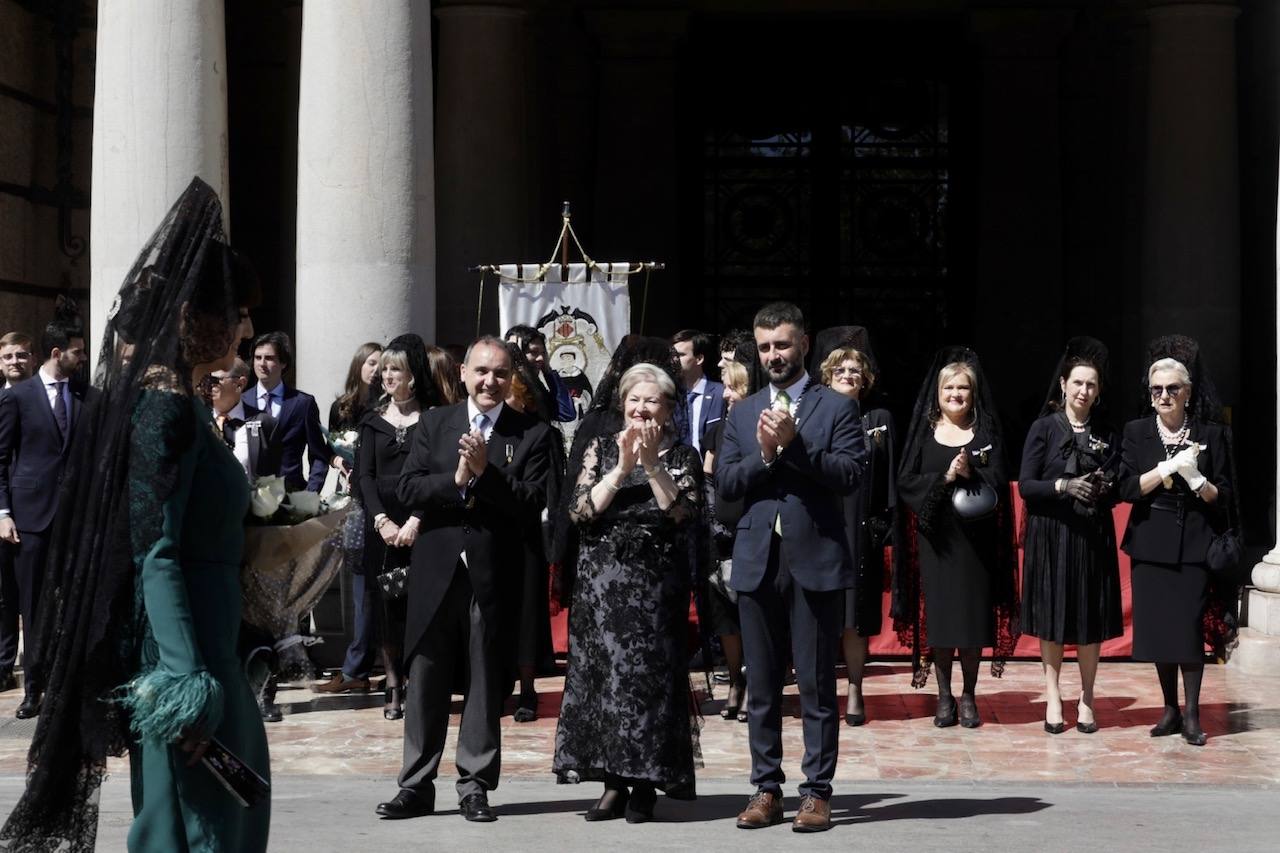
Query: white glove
1167	469
1186	466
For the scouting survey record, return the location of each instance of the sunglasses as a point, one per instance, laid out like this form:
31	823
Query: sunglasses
846	371
1158	391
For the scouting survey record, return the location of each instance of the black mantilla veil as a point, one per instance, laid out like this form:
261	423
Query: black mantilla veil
178	306
907	603
424	384
1220	624
1081	350
544	404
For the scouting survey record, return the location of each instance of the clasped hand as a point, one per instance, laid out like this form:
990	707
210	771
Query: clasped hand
639	444
1182	463
473	456
775	430
959	467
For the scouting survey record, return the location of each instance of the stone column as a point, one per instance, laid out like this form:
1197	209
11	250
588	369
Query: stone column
1259	649
1191	222
482	156
160	118
366	200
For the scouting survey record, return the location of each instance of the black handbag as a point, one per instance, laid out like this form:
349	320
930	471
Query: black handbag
1226	549
394	583
974	500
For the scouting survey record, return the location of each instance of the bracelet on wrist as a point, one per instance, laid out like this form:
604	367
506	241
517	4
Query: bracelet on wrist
608	484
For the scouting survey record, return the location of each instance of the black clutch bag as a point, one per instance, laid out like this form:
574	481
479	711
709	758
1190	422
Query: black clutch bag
974	500
394	583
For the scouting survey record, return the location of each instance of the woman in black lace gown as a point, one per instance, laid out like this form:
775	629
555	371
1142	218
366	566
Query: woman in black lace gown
1071	577
626	714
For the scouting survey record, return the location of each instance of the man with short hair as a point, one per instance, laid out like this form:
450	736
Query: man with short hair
790	452
237	421
477	469
37	421
704	396
15	358
729	344
290	418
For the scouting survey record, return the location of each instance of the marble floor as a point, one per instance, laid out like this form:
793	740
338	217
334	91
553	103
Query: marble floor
1241	714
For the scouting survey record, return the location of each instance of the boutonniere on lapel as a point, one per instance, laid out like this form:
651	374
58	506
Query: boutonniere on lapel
1097	445
982	454
878	433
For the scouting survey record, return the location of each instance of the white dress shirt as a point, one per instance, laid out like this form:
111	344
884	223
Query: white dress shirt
794	390
51	388
241	449
256	394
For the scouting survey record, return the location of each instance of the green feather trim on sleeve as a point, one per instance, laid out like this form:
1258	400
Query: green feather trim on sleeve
163	705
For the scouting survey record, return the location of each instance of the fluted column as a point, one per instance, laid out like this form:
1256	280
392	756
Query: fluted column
1191	220
366	199
160	118
482	154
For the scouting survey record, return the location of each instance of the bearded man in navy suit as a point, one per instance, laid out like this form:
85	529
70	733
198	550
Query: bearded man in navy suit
37	419
290	419
790	452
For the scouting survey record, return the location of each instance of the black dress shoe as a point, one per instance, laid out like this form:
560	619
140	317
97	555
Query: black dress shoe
29	708
640	807
852	719
1055	728
475	808
271	712
969	712
406	804
1086	728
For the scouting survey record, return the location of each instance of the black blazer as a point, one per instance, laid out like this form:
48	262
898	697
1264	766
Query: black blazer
804	486
487	523
32	452
378	467
1045	455
1172	525
296	429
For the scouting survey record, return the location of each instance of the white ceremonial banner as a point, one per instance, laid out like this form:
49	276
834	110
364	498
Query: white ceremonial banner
584	318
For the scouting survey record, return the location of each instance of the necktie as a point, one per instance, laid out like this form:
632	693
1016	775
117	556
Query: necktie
59	408
481	423
227	428
782	402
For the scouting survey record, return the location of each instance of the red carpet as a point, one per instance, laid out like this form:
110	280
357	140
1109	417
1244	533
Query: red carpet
887	642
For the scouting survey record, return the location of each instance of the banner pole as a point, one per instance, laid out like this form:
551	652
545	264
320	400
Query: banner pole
479	301
564	244
644	300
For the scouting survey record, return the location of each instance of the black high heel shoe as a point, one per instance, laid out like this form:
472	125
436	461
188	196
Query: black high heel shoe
1170	724
1193	734
615	809
945	715
394	708
969	712
1055	728
640	808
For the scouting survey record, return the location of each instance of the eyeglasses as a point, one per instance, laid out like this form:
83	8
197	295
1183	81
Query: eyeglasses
1158	391
846	371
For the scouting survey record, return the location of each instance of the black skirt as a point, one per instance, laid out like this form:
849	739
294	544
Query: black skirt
1168	608
1071	581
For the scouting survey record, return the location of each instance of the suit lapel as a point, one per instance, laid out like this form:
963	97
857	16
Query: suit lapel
504	438
809	401
40	399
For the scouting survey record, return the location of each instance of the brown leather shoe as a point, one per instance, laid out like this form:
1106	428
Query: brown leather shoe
763	809
814	816
341	684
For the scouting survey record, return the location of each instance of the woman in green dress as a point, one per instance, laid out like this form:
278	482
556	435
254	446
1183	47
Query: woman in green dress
143	609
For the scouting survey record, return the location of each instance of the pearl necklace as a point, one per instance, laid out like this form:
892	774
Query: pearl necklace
1176	437
1077	424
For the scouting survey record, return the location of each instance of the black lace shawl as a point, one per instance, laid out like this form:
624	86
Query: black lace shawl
178	306
907	601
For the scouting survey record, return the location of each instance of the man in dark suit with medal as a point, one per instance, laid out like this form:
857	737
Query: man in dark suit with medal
290	419
478	469
239	422
37	420
790	452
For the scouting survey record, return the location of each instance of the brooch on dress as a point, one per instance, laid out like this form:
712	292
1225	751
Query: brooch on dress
981	453
1097	445
878	433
